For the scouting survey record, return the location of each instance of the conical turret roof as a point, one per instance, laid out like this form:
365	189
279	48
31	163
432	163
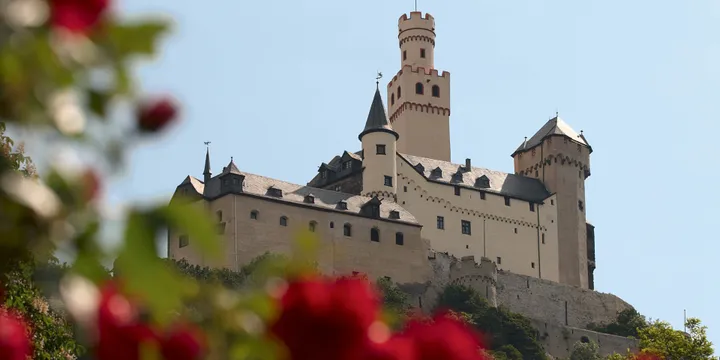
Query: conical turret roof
377	120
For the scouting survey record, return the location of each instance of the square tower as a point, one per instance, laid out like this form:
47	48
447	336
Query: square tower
560	158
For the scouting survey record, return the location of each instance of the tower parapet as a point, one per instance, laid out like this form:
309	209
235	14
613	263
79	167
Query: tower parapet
417	39
419	95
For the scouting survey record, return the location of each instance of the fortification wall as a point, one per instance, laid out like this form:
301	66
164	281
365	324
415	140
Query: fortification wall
559	340
559	312
556	303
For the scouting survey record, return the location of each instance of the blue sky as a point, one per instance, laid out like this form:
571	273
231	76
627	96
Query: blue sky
639	77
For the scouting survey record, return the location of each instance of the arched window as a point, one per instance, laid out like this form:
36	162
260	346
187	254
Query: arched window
399	238
347	230
312	226
392	99
254	215
332	225
283	221
436	91
375	235
419	88
399	92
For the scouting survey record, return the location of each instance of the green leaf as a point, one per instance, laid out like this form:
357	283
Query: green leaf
123	81
145	274
98	102
136	39
194	222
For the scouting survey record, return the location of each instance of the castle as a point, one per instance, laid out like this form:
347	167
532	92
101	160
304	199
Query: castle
393	207
400	195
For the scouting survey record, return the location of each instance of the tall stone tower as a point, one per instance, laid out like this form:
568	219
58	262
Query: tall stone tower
419	96
560	158
379	147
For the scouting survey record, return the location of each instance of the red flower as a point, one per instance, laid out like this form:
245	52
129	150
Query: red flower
91	183
444	338
77	16
155	115
326	319
120	332
183	343
398	347
14	340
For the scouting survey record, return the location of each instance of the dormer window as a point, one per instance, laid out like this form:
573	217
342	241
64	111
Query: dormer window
371	208
394	214
420	168
342	205
457	177
275	192
309	199
436	172
482	182
323	174
346	165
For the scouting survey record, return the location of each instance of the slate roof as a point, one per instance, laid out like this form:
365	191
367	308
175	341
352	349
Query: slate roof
197	184
554	126
336	163
377	120
515	186
256	185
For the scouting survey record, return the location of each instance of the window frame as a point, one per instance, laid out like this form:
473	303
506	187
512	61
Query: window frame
466	230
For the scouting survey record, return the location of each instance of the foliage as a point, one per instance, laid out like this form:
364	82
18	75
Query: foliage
223	276
628	324
661	339
52	334
502	327
585	351
394	299
507	352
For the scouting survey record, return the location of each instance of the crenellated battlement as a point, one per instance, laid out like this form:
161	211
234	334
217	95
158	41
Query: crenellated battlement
416	20
419	70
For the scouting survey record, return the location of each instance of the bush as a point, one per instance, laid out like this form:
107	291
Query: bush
505	330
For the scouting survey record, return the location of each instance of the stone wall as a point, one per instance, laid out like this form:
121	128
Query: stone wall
559	312
559	340
556	303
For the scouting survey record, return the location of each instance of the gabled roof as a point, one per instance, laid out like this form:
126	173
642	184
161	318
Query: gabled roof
377	120
515	186
257	186
196	184
554	126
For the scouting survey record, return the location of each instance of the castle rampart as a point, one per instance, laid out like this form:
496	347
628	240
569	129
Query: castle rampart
559	312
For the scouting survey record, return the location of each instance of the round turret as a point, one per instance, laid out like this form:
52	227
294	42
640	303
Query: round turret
417	40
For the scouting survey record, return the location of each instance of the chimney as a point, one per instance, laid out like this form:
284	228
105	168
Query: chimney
468	165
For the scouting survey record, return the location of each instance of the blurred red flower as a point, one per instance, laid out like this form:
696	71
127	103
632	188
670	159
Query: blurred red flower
77	16
14	339
153	116
120	333
444	338
399	347
91	183
183	342
325	318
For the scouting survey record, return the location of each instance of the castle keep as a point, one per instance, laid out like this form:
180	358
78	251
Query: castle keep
398	205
